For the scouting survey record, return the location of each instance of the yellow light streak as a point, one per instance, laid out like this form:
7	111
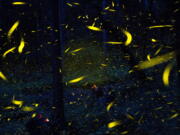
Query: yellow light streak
18	3
113	124
77	79
160	26
155	61
8	51
94	28
166	74
21	46
2	76
129	37
13	28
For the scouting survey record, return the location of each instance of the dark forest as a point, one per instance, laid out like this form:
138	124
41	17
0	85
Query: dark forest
89	67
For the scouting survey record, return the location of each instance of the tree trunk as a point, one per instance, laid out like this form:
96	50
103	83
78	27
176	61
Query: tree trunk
58	101
177	43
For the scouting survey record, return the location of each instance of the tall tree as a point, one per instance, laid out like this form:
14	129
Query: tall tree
58	118
104	33
177	45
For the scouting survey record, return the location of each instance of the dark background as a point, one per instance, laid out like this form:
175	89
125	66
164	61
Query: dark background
52	30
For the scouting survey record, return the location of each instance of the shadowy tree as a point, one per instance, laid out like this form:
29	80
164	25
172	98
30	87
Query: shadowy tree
58	102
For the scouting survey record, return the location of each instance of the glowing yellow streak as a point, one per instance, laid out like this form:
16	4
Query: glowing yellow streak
69	4
2	76
109	106
36	105
129	37
130	71
113	124
106	8
73	53
174	116
93	24
160	26
155	61
8	51
27	109
9	107
103	65
76	80
79	17
153	40
28	52
157	52
17	102
33	115
67	50
8	119
111	10
94	28
18	3
114	43
149	57
130	117
166	73
75	3
13	28
124	132
77	50
113	4
21	46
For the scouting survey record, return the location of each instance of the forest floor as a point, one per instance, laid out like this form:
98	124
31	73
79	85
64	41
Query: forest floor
142	110
144	107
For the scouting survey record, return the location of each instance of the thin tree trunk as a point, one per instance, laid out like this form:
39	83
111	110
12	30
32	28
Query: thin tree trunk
104	33
58	101
177	44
